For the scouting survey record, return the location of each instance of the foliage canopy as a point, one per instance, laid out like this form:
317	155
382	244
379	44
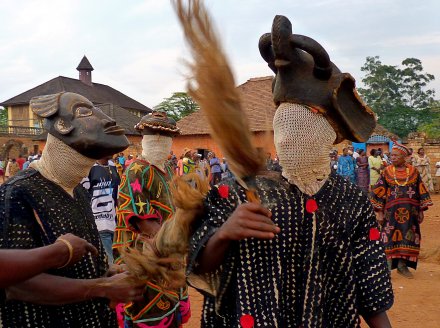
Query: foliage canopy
398	95
179	105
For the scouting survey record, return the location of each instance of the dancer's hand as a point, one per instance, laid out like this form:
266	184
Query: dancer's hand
120	288
80	247
249	220
115	269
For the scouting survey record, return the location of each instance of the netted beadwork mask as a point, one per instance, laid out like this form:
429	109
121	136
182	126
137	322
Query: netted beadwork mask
156	148
303	139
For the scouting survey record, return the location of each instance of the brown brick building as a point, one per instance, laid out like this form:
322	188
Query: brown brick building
24	135
256	96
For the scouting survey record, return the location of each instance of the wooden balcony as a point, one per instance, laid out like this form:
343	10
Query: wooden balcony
19	131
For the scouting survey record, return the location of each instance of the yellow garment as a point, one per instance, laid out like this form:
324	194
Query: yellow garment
13	169
188	165
377	163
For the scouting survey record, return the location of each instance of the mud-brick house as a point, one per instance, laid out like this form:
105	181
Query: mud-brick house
24	135
256	96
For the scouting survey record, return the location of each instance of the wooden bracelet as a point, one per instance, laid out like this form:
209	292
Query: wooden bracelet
70	247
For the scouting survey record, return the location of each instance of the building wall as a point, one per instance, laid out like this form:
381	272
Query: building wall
20	116
135	147
431	146
260	140
263	140
194	142
13	147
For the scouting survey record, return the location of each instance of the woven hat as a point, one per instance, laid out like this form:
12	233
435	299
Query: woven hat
185	151
157	122
305	75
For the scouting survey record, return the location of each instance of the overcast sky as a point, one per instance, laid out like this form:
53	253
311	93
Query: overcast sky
136	46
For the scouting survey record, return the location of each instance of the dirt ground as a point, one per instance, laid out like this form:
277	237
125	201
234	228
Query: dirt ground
417	301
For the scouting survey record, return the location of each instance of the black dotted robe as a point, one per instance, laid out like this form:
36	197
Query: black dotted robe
59	213
322	270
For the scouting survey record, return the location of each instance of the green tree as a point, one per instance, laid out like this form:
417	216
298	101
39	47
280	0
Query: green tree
432	128
179	105
3	116
398	95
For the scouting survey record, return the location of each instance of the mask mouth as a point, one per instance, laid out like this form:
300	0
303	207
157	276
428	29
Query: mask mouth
115	130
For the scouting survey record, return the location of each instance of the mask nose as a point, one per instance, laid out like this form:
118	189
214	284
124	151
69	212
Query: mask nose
108	122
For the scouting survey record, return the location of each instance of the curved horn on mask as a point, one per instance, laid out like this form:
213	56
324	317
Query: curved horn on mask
266	51
281	32
45	106
322	69
283	41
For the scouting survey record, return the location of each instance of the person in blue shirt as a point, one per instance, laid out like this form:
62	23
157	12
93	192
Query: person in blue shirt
121	160
346	166
26	164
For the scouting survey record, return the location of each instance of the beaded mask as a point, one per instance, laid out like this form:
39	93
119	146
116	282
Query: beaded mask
156	148
303	139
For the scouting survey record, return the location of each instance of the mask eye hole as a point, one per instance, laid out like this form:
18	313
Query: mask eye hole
83	112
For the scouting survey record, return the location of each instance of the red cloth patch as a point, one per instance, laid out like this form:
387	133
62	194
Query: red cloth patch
223	190
311	205
374	234
247	321
120	314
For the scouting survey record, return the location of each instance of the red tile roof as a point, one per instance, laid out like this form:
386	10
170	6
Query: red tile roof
256	95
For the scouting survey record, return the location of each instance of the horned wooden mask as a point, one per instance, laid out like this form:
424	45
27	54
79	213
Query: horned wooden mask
305	75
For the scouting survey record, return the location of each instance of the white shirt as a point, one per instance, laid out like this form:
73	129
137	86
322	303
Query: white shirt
437	173
101	189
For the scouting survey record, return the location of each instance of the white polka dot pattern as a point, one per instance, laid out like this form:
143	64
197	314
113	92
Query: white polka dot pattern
320	271
60	214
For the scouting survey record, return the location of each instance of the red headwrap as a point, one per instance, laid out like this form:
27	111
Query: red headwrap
401	148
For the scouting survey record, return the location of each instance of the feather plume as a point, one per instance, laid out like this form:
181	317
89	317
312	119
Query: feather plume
212	86
162	259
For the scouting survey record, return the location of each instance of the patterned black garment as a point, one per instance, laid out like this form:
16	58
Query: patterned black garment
59	213
324	269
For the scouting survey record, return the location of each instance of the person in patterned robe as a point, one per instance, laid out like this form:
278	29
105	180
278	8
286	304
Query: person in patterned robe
422	164
44	202
309	255
188	162
400	197
145	202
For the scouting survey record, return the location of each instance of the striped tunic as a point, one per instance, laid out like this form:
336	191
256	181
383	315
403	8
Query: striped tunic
144	194
324	269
